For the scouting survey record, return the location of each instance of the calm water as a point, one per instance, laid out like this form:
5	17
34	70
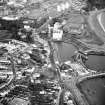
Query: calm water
66	51
96	62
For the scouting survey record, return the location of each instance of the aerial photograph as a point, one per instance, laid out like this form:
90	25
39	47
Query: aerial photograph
52	52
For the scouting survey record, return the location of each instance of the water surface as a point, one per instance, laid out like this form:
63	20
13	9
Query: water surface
94	62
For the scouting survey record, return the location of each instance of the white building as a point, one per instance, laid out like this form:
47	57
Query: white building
57	32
